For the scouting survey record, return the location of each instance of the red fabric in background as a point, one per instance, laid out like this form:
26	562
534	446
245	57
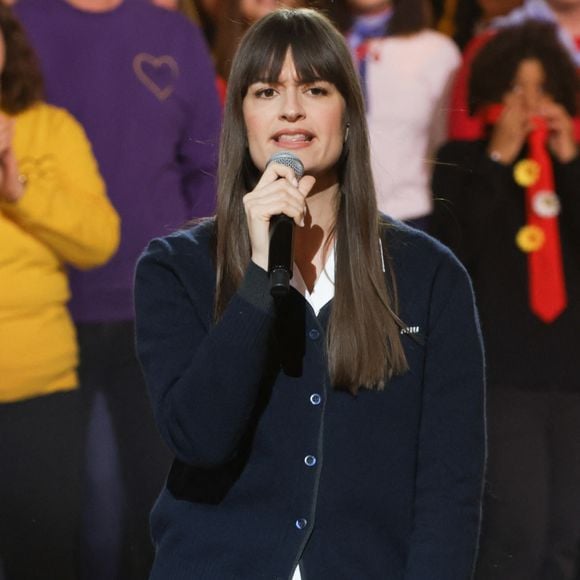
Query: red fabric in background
547	286
462	126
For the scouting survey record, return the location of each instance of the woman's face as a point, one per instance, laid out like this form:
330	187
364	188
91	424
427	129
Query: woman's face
529	82
304	118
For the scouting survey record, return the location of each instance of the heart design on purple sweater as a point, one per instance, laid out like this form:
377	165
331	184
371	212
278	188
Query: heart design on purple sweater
157	73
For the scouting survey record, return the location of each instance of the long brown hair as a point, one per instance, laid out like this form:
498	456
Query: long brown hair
21	80
364	345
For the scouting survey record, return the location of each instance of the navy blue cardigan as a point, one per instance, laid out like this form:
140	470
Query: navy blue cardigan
275	466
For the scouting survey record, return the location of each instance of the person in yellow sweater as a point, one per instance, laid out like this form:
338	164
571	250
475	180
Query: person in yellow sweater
53	212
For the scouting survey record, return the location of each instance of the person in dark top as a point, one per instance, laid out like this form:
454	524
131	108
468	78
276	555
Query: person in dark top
338	432
509	206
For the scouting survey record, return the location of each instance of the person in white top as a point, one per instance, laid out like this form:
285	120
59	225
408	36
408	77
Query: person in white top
406	71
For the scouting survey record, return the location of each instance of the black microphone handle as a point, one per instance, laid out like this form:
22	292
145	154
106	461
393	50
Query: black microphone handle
280	254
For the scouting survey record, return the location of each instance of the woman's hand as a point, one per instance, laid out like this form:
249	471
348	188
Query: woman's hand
11	187
511	130
561	132
277	192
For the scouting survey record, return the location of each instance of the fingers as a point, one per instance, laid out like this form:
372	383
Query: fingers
515	113
514	116
275	171
556	115
262	209
557	119
558	125
514	101
6	133
510	132
561	132
11	186
306	184
519	118
271	198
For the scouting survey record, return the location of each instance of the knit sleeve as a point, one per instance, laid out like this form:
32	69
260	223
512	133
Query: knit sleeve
64	204
452	435
468	189
204	377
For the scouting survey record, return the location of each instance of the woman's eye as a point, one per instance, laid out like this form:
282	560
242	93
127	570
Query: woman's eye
265	93
317	91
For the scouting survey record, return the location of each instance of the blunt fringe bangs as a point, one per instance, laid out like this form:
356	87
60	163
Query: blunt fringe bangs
314	51
364	345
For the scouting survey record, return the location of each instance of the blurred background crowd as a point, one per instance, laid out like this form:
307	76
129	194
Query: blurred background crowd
109	127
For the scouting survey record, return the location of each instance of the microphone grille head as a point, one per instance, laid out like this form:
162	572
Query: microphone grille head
290	160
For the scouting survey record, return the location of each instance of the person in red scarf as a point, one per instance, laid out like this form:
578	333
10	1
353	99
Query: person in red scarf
509	206
565	15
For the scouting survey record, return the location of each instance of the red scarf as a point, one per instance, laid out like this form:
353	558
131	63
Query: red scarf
540	238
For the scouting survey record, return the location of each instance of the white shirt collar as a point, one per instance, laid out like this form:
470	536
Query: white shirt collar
323	291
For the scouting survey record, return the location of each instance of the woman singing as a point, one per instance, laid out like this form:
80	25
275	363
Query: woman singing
336	433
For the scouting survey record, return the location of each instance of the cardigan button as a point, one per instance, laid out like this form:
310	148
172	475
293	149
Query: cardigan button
310	460
313	334
315	399
301	523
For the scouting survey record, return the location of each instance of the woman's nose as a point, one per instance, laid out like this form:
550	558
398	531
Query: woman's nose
292	107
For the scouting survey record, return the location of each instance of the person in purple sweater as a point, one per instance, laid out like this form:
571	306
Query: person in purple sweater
140	80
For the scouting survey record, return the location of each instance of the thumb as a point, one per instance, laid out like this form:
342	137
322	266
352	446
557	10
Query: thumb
8	158
306	184
9	124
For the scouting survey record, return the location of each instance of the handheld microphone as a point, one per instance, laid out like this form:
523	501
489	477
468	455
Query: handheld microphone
281	249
